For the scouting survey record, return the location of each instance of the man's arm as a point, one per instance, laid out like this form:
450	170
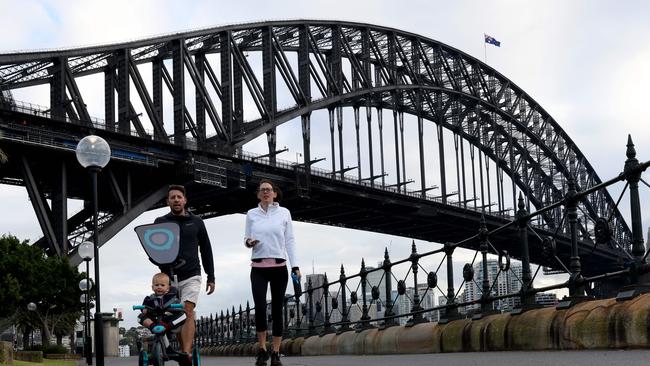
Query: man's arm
206	256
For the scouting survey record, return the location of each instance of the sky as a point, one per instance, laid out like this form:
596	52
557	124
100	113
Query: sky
585	62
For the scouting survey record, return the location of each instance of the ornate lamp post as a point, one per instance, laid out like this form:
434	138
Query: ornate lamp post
86	253
93	153
31	307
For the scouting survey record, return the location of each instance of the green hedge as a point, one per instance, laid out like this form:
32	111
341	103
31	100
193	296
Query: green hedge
56	349
29	356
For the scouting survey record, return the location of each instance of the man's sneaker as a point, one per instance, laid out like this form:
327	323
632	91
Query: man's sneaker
275	359
171	353
183	359
262	356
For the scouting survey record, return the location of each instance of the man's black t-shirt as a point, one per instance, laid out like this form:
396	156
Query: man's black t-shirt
193	238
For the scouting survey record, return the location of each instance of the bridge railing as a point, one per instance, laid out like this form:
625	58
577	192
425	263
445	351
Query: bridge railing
402	292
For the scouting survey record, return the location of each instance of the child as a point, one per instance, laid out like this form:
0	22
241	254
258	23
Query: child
163	296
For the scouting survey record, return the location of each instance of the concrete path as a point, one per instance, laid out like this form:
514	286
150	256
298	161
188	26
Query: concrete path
547	358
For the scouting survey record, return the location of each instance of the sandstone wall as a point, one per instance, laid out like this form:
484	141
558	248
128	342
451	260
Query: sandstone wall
596	324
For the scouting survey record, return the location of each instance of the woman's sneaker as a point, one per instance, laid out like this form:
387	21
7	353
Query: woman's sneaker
275	359
262	356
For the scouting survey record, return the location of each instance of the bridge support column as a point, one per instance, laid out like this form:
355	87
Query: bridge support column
41	208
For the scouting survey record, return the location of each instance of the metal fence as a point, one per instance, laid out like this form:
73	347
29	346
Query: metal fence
371	297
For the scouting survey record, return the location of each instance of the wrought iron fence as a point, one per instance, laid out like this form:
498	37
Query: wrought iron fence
369	298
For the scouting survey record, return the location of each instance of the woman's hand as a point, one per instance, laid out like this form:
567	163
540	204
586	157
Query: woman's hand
251	243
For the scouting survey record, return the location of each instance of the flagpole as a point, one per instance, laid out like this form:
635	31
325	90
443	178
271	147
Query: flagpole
484	48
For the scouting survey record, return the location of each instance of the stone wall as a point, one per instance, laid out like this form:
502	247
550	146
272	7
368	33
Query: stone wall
597	324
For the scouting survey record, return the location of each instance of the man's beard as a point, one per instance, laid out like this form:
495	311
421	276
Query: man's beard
177	211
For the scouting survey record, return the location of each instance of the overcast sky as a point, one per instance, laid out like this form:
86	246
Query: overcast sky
585	62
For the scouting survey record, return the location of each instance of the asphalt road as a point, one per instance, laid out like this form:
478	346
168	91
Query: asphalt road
546	358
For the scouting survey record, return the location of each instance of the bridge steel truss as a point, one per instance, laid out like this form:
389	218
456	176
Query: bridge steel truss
321	65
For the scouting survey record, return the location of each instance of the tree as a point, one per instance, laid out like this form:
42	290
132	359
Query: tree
28	275
132	338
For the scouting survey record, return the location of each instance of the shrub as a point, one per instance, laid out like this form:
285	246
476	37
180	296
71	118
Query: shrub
54	349
29	356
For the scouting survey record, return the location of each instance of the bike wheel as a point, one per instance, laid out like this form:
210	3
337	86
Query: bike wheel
143	358
196	357
157	357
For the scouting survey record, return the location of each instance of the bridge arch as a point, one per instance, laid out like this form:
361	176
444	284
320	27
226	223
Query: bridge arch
336	65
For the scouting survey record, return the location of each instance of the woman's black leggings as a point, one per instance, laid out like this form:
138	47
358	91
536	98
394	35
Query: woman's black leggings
260	278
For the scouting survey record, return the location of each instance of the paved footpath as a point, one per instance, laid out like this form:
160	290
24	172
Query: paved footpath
545	358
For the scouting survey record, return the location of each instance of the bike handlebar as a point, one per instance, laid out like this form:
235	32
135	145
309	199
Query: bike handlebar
171	306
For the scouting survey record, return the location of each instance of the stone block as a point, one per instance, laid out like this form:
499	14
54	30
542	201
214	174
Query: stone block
531	330
420	338
345	342
635	323
588	324
476	335
452	336
328	344
386	341
311	346
364	342
296	346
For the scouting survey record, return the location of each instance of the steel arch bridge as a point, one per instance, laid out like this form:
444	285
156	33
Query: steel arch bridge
212	92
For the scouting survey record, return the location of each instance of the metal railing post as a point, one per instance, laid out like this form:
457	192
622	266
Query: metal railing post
241	324
326	294
417	318
632	172
487	306
365	318
527	297
248	322
310	297
451	309
345	318
389	289
285	306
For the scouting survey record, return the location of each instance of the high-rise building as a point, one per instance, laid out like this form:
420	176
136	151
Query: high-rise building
508	282
404	304
376	278
427	300
317	280
546	299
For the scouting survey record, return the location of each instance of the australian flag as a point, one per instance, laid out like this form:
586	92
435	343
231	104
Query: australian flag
492	40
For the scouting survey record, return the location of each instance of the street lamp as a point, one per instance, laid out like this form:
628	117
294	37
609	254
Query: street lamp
31	307
94	153
86	252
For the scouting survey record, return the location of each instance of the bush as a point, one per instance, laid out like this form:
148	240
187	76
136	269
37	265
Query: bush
55	349
29	356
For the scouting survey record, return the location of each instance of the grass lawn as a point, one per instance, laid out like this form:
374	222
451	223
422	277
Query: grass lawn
46	362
